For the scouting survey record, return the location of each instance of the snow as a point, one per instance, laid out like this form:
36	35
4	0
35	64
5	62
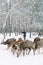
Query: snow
7	58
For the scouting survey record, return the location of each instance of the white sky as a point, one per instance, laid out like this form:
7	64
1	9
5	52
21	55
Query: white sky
8	1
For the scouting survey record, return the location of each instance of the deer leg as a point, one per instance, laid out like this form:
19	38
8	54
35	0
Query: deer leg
8	47
29	50
34	51
17	54
23	52
12	50
26	51
38	50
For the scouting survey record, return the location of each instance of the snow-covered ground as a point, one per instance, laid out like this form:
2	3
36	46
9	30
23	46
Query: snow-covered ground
6	57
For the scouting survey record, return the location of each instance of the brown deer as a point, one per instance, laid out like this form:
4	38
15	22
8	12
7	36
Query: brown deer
22	46
15	46
9	42
38	44
27	45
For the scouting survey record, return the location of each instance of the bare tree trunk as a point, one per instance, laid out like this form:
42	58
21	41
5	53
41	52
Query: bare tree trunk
9	34
4	35
30	34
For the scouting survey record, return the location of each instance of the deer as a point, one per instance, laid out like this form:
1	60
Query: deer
22	46
8	42
38	44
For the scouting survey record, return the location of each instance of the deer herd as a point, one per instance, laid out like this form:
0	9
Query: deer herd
25	46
